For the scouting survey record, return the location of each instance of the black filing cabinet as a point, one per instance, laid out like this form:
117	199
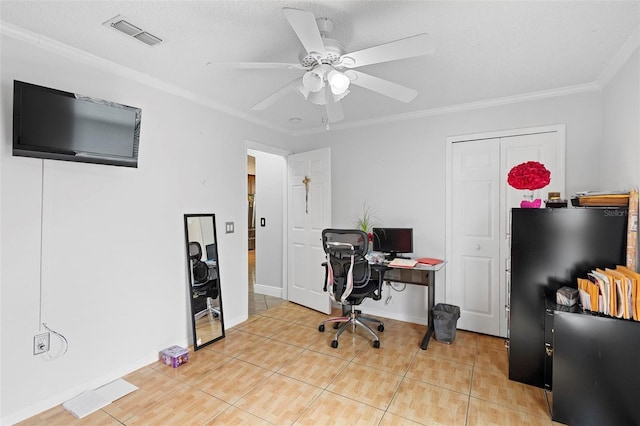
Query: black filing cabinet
596	370
550	248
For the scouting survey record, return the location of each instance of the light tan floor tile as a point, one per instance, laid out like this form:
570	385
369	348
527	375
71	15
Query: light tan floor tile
309	317
236	342
274	380
279	399
487	413
441	372
491	341
283	312
237	417
388	357
232	380
349	344
422	402
185	405
468	337
408	330
408	341
58	416
200	364
263	326
493	386
296	334
390	419
461	352
314	368
152	385
331	409
366	384
271	355
489	358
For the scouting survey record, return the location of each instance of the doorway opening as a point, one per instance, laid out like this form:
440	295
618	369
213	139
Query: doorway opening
265	284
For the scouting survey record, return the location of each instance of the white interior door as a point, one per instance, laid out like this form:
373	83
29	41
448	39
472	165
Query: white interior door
309	204
478	223
474	267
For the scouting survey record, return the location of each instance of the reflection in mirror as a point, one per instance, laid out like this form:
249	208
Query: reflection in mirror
204	280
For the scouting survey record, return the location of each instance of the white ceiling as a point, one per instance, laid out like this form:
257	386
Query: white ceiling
485	50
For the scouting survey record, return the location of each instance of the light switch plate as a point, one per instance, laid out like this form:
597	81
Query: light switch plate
229	228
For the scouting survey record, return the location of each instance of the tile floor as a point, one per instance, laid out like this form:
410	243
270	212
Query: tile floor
277	368
258	302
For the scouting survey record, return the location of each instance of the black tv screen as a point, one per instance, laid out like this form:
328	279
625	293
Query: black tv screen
393	240
58	125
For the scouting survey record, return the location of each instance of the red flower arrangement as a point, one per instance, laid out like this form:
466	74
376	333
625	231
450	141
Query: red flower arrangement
530	175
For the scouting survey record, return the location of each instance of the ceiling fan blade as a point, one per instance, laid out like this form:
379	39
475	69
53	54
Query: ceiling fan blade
333	109
384	87
418	45
277	95
305	26
257	65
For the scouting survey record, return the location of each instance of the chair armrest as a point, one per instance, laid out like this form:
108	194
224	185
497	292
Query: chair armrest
380	270
326	275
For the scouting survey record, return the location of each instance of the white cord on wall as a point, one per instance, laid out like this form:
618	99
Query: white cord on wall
41	324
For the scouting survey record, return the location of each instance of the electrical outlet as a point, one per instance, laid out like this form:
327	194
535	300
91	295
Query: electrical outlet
41	343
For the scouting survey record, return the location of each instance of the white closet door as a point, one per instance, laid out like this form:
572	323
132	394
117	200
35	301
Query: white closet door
479	218
474	268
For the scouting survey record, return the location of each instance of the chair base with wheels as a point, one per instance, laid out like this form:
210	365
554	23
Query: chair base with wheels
353	319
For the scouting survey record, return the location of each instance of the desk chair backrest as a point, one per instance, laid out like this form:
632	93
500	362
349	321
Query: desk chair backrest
347	270
205	278
199	268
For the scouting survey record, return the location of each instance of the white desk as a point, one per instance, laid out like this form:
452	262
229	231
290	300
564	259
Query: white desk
420	274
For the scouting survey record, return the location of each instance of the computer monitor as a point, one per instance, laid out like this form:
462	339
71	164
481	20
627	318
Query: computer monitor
211	251
393	241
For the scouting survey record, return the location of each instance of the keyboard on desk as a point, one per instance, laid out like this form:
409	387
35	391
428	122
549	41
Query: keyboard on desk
402	263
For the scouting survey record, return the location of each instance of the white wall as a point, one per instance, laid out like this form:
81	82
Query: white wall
399	170
113	248
270	187
619	160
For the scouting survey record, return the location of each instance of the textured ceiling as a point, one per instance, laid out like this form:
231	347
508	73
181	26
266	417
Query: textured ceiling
484	50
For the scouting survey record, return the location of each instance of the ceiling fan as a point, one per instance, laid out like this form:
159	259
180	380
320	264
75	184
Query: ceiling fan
329	70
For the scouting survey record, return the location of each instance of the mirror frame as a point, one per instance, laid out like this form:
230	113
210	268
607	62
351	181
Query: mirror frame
196	345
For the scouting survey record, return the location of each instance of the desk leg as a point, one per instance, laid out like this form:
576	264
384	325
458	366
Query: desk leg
431	295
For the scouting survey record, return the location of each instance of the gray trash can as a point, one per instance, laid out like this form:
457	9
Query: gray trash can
445	320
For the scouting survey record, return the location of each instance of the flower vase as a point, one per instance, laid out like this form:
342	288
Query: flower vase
528	202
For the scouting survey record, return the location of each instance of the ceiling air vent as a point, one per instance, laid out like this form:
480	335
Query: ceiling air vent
121	24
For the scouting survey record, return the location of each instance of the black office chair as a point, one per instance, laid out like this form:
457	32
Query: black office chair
204	287
349	279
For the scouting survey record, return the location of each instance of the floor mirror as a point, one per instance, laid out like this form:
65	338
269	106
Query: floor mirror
203	279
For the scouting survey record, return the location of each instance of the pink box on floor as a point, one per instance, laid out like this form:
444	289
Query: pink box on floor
175	356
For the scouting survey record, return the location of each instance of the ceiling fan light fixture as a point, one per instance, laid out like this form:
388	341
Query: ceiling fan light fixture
338	97
338	81
318	98
313	80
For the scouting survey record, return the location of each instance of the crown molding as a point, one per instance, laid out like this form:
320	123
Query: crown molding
620	58
489	103
82	56
62	49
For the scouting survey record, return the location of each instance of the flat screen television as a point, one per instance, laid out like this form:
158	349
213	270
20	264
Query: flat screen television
393	241
58	125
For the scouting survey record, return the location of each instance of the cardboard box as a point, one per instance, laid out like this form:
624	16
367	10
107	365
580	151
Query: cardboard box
567	296
175	356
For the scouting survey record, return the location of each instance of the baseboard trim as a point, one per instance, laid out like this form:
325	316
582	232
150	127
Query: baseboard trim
267	290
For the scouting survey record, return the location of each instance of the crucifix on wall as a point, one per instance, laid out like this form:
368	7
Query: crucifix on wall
306	181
